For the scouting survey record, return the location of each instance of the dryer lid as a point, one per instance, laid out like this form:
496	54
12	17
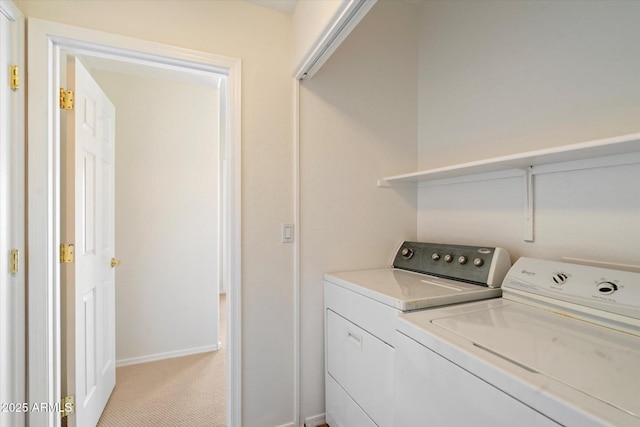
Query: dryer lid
407	290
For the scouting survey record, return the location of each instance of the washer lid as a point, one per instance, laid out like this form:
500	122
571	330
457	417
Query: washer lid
595	360
406	290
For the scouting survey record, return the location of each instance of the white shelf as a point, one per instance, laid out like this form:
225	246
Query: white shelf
619	150
616	146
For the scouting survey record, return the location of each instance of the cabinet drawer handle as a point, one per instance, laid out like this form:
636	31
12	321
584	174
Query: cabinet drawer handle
354	339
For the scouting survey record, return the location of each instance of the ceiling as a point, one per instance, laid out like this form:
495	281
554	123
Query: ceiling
285	6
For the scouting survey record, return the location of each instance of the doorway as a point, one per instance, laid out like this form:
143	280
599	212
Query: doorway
166	209
47	44
165	301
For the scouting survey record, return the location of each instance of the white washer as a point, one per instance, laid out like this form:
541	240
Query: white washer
561	347
361	308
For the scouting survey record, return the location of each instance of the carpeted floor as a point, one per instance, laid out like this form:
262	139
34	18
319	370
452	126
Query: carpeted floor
184	391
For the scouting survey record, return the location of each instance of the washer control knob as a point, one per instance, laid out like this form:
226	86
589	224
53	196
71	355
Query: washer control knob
407	253
435	256
462	259
607	288
478	262
448	257
559	278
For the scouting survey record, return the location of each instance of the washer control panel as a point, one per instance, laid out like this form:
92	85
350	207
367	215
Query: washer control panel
615	291
485	266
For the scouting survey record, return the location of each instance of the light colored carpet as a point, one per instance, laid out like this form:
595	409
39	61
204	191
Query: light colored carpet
183	391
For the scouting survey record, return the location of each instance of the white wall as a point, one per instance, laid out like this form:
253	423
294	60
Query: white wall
358	122
499	77
261	38
591	214
166	215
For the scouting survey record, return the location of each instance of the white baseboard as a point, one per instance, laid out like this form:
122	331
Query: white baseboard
315	421
167	355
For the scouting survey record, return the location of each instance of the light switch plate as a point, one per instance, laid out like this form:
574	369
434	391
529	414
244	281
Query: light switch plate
288	233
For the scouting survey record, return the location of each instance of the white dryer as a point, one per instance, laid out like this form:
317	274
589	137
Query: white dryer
361	308
561	347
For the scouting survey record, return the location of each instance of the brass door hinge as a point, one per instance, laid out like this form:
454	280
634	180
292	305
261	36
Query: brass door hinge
67	406
66	99
14	77
66	253
14	261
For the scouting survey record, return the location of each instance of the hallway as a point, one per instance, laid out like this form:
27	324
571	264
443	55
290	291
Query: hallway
183	391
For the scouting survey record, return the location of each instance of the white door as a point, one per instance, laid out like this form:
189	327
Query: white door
12	248
87	190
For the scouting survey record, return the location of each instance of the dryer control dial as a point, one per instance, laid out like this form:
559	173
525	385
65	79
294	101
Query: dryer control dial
607	288
407	253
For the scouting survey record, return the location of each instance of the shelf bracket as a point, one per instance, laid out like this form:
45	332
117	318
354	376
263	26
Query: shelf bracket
528	204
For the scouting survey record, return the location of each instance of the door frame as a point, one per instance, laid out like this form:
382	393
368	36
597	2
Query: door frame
46	41
12	219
